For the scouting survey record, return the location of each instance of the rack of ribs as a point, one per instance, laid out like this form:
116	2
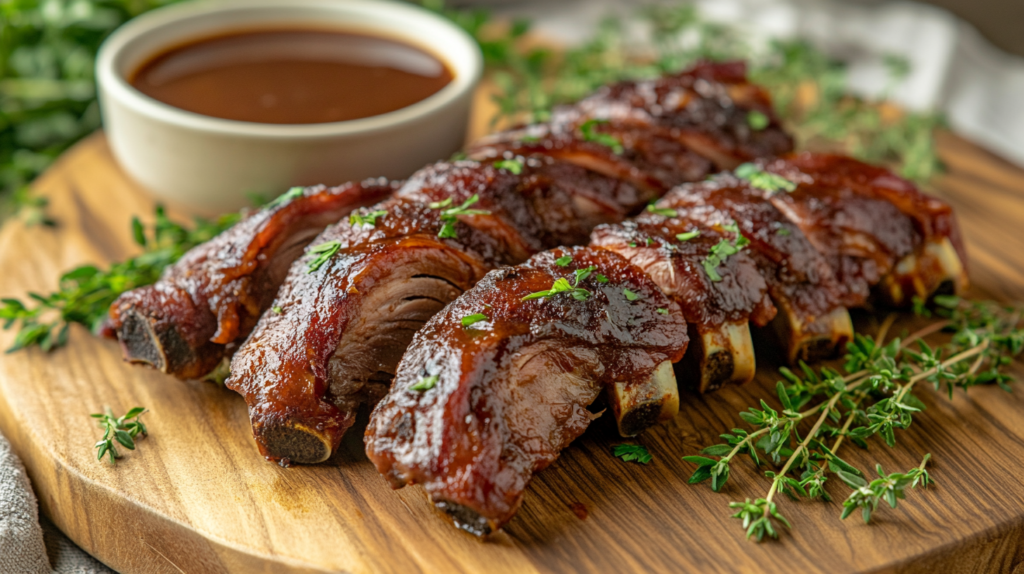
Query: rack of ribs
791	243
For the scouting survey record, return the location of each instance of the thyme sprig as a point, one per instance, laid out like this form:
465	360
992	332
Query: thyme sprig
118	429
872	395
450	214
85	293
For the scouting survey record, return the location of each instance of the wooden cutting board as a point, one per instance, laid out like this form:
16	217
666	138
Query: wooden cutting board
196	497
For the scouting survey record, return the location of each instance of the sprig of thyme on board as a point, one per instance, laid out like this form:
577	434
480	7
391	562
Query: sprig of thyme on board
873	394
121	430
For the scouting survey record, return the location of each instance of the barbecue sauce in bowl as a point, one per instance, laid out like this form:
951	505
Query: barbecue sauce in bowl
292	76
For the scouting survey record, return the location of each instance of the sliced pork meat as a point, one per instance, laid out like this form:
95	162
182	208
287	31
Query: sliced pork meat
193	317
500	382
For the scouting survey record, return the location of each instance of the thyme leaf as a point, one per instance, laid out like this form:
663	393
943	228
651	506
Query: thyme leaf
323	252
121	430
632	453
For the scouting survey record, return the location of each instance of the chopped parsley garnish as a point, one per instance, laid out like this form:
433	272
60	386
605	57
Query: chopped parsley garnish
276	309
722	250
630	296
425	383
513	165
600	278
473	319
368	219
632	453
458	156
632	243
448	216
662	311
688	235
563	260
664	211
782	231
648	241
286	197
529	139
324	252
757	120
608	140
562	285
764	180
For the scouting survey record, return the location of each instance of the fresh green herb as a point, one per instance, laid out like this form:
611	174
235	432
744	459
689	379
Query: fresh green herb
688	235
86	293
323	252
663	211
425	383
632	453
368	219
648	241
632	243
872	395
562	285
757	120
473	319
120	429
563	260
600	278
764	180
722	250
286	197
450	216
587	130
276	309
663	311
782	231
512	165
630	296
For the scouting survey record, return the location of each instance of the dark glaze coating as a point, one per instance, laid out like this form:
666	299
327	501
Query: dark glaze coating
676	267
798	276
283	369
513	391
187	322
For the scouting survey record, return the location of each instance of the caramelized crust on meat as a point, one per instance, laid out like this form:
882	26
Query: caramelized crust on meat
476	410
191	319
557	185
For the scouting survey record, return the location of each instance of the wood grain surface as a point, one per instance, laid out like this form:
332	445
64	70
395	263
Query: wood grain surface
196	497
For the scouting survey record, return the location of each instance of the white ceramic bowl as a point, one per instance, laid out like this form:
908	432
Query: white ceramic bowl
212	165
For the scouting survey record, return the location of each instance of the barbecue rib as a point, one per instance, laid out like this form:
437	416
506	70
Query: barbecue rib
490	404
718	249
190	320
339	335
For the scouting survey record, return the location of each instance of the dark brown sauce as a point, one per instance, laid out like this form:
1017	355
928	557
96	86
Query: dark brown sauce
292	76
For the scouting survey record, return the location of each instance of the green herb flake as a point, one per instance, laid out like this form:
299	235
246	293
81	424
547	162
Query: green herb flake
764	180
600	278
663	211
630	296
512	165
663	311
369	219
722	250
688	235
425	383
323	252
449	215
632	453
563	260
757	120
473	319
562	285
782	231
590	134
276	309
286	197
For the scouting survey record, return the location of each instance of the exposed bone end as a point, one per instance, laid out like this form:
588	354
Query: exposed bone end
467	519
294	443
639	405
144	341
816	341
935	270
720	356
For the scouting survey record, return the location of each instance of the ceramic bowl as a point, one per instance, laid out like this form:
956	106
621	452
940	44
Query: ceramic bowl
211	165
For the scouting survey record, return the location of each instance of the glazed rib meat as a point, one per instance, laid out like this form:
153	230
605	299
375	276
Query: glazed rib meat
740	248
192	318
476	410
341	330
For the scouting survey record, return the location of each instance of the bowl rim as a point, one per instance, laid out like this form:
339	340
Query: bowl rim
116	86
